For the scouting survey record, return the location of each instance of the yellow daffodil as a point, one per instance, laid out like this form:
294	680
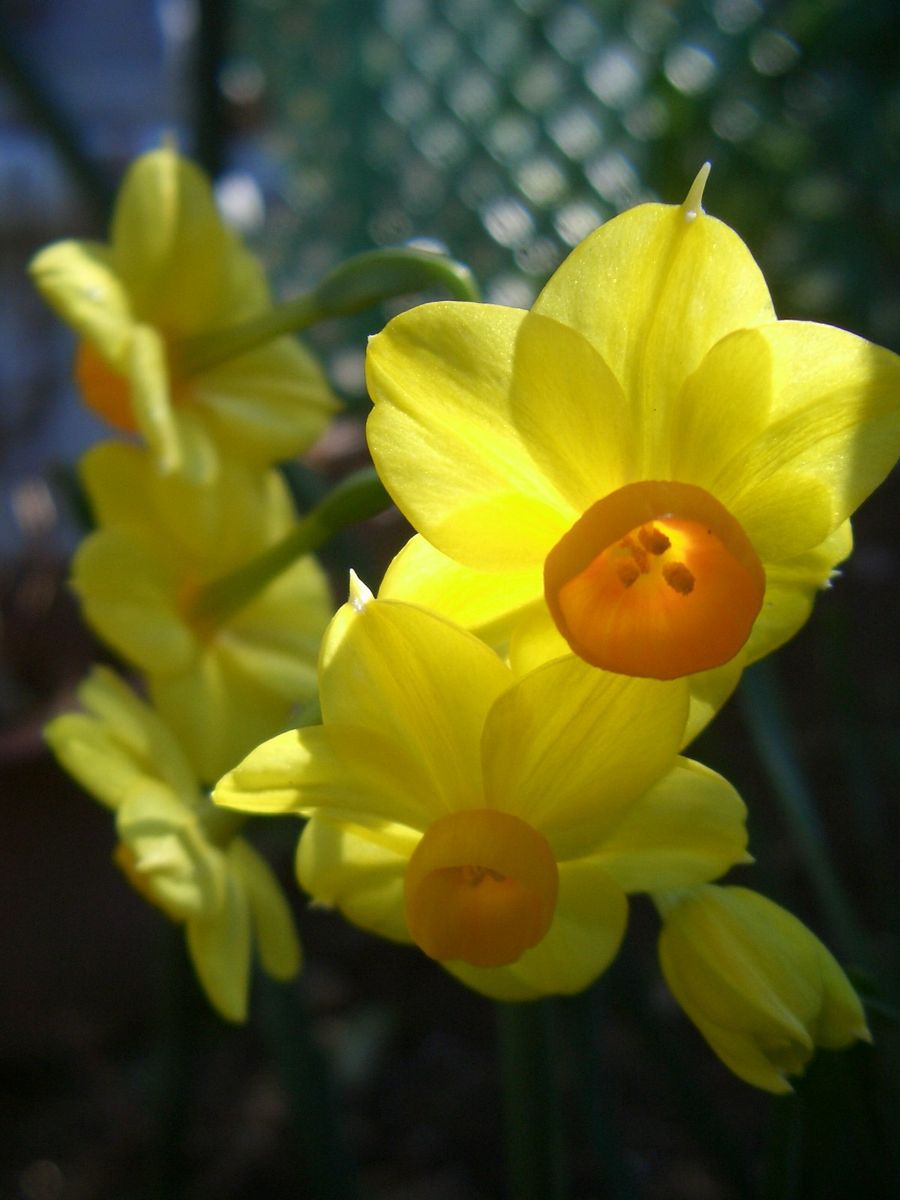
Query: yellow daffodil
760	987
223	893
172	271
222	685
496	823
647	468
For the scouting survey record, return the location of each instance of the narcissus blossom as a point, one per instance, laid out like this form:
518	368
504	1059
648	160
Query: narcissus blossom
222	685
496	823
761	988
172	271
221	890
647	468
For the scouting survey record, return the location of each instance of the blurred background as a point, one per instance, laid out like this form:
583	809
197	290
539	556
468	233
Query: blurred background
502	132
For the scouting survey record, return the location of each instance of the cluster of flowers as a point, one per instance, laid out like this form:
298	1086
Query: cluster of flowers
622	498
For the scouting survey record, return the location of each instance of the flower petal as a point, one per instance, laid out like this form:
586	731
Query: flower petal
273	923
267	405
486	602
79	280
359	871
653	290
420	682
354	774
830	436
440	379
587	930
688	828
219	946
568	747
791	589
571	413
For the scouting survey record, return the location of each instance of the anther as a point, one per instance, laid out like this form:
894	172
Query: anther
679	578
628	572
653	539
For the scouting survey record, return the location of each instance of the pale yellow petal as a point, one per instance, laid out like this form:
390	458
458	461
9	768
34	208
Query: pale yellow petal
791	590
443	440
151	397
708	692
220	946
93	757
79	280
272	920
569	747
351	773
419	681
572	414
358	871
686	829
170	246
487	602
587	930
831	434
653	290
267	405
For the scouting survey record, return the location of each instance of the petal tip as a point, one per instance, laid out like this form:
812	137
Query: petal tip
359	595
693	206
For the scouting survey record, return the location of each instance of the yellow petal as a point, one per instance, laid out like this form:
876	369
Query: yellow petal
267	405
128	598
587	930
709	690
653	290
92	756
831	433
352	773
359	871
569	747
791	589
219	946
440	379
171	248
151	400
571	413
419	681
487	602
686	829
273	923
79	280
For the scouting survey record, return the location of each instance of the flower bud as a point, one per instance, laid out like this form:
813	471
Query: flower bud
760	987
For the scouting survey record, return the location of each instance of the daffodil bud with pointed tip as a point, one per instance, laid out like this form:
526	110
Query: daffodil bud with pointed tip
760	987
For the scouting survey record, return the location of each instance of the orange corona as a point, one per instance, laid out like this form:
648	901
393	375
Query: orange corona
656	579
481	888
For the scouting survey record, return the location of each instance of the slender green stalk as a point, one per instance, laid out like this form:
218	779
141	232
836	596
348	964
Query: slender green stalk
356	498
764	711
352	287
324	1165
531	1101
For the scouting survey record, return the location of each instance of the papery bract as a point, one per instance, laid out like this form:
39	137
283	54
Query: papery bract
499	823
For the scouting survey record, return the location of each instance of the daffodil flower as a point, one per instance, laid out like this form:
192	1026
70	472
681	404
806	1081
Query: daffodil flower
761	988
647	468
222	685
170	272
223	892
496	823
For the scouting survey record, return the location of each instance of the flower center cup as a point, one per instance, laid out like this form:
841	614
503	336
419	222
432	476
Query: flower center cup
657	579
480	888
105	391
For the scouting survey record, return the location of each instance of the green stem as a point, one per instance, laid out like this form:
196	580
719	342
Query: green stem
355	285
764	711
356	498
324	1163
531	1101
